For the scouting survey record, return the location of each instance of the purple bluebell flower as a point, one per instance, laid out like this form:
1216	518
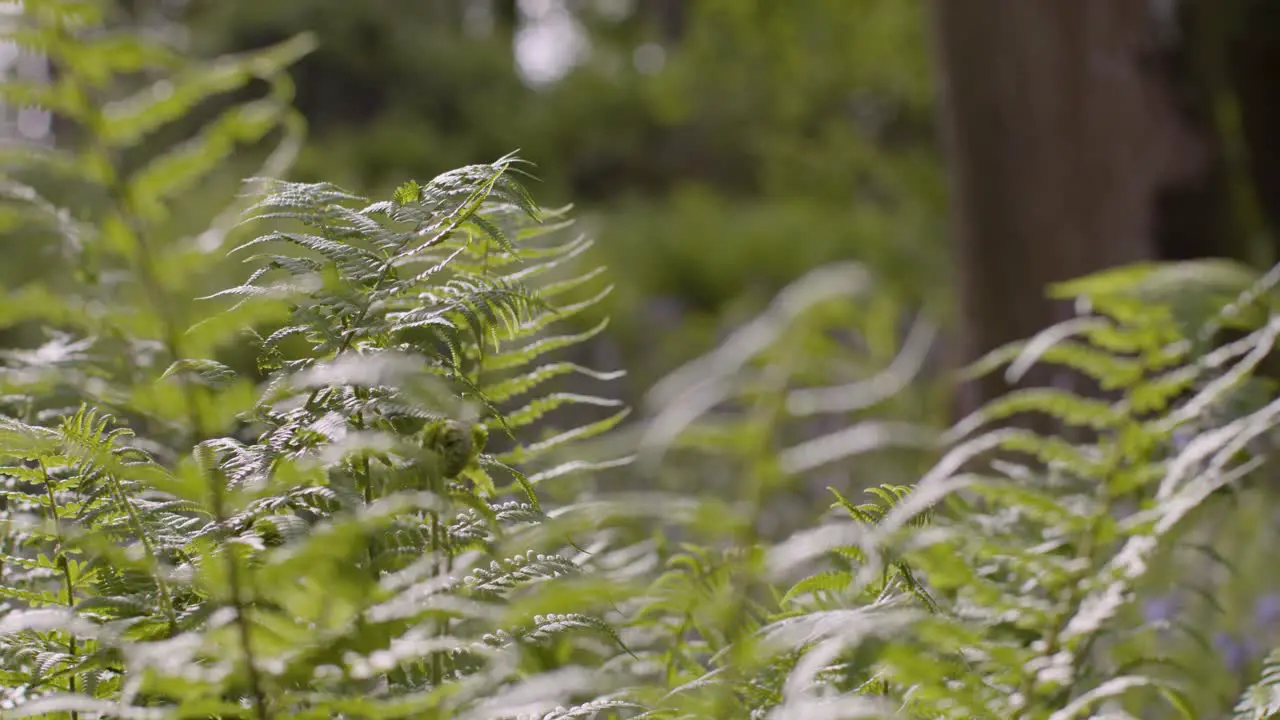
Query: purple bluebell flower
1266	611
1161	608
1236	654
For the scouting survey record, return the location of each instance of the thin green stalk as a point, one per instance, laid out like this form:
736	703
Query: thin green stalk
437	545
364	482
1085	551
235	585
766	415
166	596
235	582
144	266
669	667
68	583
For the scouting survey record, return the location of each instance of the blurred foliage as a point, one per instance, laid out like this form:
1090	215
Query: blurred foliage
294	525
720	157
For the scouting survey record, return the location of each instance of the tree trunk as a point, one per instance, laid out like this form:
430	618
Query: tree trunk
1066	142
1252	59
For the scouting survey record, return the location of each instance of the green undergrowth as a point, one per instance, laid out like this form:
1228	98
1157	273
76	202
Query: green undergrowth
371	478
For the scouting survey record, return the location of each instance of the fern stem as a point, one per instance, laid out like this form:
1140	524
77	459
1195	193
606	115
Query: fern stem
65	566
145	267
442	627
166	595
769	409
364	482
366	490
669	667
1076	595
437	660
235	586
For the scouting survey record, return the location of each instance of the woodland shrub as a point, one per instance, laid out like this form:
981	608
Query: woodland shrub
315	493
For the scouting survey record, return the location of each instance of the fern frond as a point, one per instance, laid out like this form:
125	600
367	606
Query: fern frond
1261	700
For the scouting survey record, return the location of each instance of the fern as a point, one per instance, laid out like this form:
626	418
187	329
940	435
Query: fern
316	491
373	438
996	586
190	564
1261	701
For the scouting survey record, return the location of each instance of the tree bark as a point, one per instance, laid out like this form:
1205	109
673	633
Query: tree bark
1252	59
1065	142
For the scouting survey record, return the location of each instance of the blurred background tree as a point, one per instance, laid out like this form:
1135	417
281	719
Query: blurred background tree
1086	134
